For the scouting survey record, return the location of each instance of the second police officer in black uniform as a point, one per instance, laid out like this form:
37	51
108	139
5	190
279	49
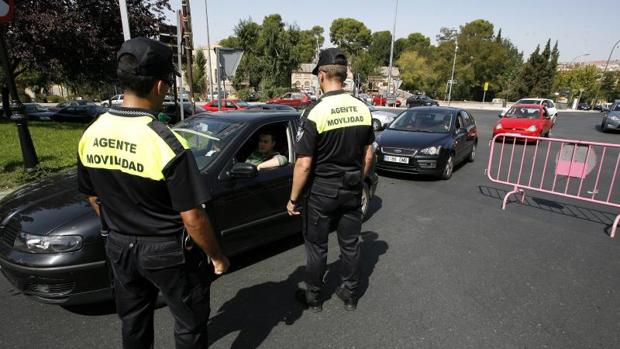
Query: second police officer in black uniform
143	181
334	155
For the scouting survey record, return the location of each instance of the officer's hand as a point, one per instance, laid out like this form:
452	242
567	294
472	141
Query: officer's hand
220	265
292	210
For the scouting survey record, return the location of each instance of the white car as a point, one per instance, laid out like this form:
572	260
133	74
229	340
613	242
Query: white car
114	100
547	103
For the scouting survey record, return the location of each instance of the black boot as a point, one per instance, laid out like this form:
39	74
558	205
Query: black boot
350	301
315	306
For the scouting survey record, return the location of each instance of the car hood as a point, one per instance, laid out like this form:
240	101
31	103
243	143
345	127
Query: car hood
43	206
411	140
519	123
383	115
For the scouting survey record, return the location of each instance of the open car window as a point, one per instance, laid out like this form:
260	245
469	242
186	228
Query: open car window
280	134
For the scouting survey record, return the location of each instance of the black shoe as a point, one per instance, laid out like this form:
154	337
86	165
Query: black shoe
350	302
300	296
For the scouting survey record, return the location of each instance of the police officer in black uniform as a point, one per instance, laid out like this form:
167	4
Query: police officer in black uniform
143	181
334	155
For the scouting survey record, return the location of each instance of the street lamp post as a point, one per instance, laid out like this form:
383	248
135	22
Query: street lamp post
451	82
604	71
392	52
210	96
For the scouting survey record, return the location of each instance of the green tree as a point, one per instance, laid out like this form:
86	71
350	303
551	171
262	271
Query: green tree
362	66
582	79
43	31
610	86
350	35
416	73
199	72
379	48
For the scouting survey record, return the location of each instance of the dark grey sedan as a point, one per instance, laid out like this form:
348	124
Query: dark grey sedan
611	118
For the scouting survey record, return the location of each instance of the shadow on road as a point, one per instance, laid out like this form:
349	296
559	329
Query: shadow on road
566	209
254	311
375	205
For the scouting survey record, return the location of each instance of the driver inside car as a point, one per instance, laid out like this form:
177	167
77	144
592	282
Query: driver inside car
265	157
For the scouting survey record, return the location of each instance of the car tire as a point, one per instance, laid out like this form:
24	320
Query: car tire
448	168
472	153
365	201
376	125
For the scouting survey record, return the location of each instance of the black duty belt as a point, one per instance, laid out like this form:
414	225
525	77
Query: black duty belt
145	238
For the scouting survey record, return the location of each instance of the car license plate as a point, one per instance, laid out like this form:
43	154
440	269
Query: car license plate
399	159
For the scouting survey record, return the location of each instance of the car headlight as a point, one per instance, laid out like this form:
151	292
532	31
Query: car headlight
431	150
498	127
532	128
375	145
47	244
613	117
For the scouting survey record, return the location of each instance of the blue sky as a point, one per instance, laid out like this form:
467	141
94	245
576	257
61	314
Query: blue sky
579	26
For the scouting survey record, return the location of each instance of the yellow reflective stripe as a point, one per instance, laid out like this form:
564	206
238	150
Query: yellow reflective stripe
183	141
117	143
339	111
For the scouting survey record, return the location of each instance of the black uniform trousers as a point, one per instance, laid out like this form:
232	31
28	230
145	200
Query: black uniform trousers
329	205
144	266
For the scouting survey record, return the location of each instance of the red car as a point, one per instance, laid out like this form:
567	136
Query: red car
525	119
293	99
227	105
389	100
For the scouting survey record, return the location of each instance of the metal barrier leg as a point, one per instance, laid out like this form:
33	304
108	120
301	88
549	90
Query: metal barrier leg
613	228
522	196
516	190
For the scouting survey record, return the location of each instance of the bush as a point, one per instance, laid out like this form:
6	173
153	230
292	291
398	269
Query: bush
55	99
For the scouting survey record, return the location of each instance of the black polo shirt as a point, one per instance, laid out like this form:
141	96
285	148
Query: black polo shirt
143	173
335	131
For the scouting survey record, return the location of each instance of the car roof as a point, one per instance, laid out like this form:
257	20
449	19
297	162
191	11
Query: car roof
437	108
535	99
527	105
251	116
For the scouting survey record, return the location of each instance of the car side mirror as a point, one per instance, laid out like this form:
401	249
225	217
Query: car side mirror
499	116
243	170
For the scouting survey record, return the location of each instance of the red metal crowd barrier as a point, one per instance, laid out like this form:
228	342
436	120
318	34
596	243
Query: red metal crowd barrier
580	170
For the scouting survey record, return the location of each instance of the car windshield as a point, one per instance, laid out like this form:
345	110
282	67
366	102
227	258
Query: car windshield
207	137
616	107
523	113
436	121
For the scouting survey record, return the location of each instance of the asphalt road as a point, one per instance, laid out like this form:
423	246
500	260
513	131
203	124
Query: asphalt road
444	267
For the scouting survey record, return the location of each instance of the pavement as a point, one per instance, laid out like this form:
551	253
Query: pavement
443	267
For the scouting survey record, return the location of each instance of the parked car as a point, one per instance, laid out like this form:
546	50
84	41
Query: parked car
525	119
297	100
272	107
547	103
227	105
50	242
84	113
36	112
420	101
583	106
380	119
611	118
428	141
386	100
115	100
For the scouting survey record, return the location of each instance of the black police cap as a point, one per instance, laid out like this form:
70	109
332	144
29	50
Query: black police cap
330	56
151	59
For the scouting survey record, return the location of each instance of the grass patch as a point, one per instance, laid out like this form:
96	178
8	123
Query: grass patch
55	144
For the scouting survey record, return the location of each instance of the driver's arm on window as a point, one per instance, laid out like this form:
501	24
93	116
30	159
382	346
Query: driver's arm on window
276	161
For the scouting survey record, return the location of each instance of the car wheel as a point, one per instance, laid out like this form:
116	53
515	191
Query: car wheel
365	200
472	153
376	125
448	168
